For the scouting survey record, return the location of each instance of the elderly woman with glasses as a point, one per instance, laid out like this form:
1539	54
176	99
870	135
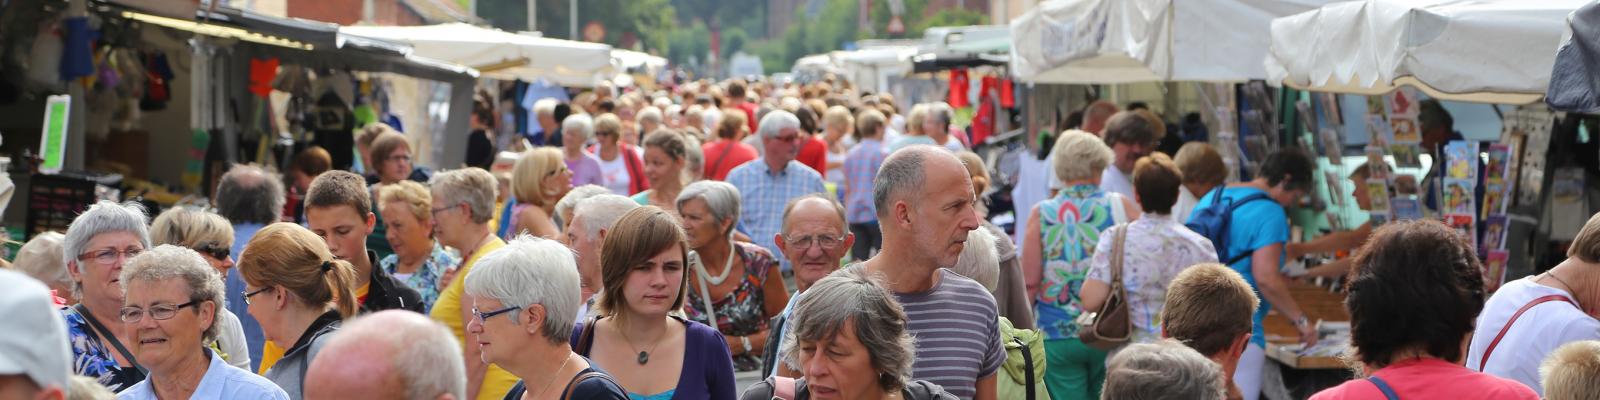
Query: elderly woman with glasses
172	308
736	286
848	340
525	298
211	236
463	203
538	181
97	244
635	338
298	292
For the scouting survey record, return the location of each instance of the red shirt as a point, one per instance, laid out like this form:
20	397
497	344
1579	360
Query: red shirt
749	114
1430	378
719	163
814	154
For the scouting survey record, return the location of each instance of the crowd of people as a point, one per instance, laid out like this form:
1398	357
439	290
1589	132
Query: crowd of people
661	245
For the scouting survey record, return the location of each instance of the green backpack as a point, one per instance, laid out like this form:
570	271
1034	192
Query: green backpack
1023	373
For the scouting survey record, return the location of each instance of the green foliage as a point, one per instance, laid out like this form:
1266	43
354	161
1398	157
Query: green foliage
950	17
693	40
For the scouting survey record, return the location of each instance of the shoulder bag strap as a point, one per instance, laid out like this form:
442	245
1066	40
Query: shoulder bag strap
1027	362
1121	232
573	384
1388	392
1486	352
586	337
705	290
784	388
101	331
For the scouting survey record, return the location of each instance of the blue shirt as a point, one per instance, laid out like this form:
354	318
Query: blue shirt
222	381
242	233
1254	225
860	167
764	194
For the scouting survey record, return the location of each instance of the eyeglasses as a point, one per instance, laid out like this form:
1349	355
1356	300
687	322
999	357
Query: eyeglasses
827	242
401	157
215	250
436	210
109	256
161	312
484	316
248	294
789	138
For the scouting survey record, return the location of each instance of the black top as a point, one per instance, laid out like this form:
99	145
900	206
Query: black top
600	387
480	150
387	293
914	390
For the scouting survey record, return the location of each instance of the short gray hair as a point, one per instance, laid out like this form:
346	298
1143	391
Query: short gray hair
601	212
249	194
980	260
721	197
1164	369
776	121
577	126
527	271
42	259
1080	155
543	107
941	112
422	352
104	217
177	262
849	295
569	203
901	171
472	186
648	113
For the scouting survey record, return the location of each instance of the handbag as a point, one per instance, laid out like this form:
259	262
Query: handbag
1109	327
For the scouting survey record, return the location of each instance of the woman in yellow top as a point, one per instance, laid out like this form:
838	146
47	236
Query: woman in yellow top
463	204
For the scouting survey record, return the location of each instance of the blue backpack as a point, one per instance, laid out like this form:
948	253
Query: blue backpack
1212	222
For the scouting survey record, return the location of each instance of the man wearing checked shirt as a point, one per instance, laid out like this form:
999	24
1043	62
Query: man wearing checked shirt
766	184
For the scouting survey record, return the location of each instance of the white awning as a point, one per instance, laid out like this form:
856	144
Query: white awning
1488	51
1123	41
500	54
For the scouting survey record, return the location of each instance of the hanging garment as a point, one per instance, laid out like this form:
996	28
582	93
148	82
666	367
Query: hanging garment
958	88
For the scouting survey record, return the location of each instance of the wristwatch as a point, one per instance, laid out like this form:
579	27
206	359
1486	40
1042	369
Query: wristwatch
1302	321
746	341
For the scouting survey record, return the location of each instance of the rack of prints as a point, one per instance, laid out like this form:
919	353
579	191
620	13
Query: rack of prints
1460	180
1405	130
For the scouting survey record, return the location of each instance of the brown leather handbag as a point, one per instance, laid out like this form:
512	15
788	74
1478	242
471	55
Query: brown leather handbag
1109	327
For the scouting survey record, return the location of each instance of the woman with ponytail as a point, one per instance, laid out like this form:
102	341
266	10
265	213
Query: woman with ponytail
299	293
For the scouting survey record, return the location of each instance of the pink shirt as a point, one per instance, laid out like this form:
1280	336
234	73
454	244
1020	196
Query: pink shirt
1430	378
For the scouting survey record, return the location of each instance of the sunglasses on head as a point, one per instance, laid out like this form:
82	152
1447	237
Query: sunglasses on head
215	250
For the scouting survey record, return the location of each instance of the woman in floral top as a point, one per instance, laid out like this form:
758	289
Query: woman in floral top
418	260
744	285
98	242
1156	248
1057	246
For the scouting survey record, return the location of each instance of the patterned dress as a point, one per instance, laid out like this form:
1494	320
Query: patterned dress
1069	228
742	312
92	359
426	279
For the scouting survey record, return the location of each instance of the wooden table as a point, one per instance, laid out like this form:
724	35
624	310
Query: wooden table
1319	304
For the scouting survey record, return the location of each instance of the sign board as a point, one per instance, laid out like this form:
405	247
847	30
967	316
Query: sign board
53	140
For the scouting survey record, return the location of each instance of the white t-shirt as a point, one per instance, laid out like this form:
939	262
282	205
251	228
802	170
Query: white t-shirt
1185	204
1113	180
1035	179
1536	334
614	174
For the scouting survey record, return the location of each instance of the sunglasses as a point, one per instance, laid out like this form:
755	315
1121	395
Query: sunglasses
215	250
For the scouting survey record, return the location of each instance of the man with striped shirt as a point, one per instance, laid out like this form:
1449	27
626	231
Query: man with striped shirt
925	205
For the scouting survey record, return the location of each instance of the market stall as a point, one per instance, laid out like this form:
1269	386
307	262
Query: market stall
503	55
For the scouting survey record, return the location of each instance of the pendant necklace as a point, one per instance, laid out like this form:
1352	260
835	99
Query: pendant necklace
727	267
644	356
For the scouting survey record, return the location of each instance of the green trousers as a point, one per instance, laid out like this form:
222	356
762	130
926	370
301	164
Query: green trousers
1074	371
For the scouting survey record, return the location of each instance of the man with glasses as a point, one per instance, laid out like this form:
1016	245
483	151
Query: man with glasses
814	239
1131	135
766	184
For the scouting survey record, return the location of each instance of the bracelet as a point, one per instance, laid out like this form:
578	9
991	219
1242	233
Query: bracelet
746	341
1302	321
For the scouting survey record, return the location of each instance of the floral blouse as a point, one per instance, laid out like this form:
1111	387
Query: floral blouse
742	312
426	279
1069	227
92	359
1156	249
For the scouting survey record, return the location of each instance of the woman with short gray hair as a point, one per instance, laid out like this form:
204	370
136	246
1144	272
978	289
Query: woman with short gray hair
41	259
211	236
736	287
585	166
861	330
1161	370
525	301
463	203
162	283
95	247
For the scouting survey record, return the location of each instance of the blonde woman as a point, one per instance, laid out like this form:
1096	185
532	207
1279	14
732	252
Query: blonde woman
538	181
418	260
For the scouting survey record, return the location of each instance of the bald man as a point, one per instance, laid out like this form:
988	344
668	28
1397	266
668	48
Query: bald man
391	354
815	237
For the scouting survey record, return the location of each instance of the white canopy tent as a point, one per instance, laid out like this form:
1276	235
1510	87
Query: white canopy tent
871	68
629	59
1125	41
1487	51
500	54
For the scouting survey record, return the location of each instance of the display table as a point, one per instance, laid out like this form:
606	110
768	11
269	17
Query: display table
1283	340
